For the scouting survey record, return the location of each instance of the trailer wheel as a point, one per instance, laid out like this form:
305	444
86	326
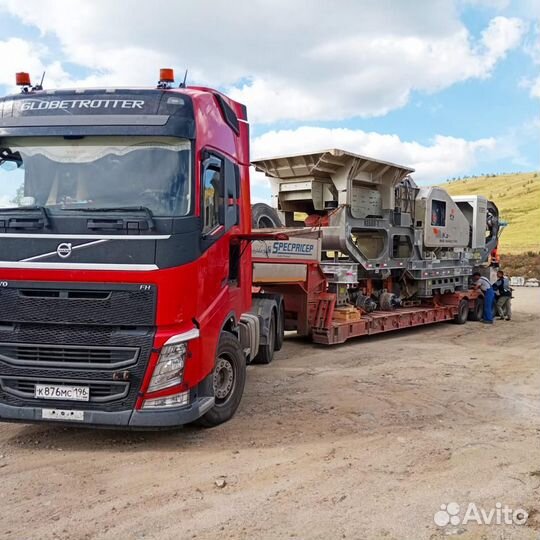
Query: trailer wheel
475	314
228	381
280	328
266	351
264	216
463	312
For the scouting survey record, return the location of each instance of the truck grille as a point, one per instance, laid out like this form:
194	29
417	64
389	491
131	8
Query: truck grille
20	354
86	355
100	392
78	303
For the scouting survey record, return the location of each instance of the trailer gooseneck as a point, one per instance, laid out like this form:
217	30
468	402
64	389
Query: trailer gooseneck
130	294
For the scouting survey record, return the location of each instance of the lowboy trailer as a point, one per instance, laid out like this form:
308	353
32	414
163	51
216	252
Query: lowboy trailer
310	310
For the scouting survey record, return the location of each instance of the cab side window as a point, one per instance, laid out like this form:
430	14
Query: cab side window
212	189
438	213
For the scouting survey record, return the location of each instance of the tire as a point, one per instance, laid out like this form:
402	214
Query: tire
264	216
266	352
463	312
475	314
229	369
280	328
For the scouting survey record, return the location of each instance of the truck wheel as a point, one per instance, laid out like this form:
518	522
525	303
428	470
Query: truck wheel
280	328
266	352
264	216
229	379
463	312
475	314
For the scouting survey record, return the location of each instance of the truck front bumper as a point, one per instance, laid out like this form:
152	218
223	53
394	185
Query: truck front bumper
129	419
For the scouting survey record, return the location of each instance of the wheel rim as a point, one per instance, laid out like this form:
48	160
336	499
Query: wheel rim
224	379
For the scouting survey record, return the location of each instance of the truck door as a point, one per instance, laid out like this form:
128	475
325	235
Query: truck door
219	213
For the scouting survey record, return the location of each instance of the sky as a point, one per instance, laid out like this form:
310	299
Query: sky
448	87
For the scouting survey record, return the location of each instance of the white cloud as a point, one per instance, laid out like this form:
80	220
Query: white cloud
445	157
285	60
531	84
532	43
371	75
532	48
502	35
20	55
535	88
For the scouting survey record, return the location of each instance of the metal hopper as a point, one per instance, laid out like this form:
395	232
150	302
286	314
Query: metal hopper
357	196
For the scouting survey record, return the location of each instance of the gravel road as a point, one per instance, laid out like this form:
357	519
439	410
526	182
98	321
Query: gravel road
364	440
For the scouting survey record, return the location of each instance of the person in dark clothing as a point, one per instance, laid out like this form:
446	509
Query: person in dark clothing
503	295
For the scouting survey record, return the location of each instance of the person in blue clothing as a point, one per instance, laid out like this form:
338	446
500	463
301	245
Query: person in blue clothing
482	283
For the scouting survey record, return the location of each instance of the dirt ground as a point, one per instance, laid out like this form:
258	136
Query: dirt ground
365	440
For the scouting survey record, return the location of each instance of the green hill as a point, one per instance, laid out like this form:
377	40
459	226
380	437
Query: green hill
518	198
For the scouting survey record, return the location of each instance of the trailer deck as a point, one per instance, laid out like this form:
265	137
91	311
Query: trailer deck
335	331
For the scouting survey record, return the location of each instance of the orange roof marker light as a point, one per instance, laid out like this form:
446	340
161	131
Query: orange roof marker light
22	79
166	77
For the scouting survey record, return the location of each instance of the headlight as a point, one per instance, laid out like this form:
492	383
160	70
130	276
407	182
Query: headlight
169	370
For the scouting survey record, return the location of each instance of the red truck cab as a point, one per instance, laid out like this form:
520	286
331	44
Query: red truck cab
125	281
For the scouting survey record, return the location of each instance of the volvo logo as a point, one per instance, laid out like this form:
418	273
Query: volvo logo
64	250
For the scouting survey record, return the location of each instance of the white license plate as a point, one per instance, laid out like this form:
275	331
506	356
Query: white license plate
61	414
61	391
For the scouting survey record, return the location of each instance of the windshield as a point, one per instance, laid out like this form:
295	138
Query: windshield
96	172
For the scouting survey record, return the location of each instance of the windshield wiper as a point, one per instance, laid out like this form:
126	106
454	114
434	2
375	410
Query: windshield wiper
26	223
144	209
128	209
